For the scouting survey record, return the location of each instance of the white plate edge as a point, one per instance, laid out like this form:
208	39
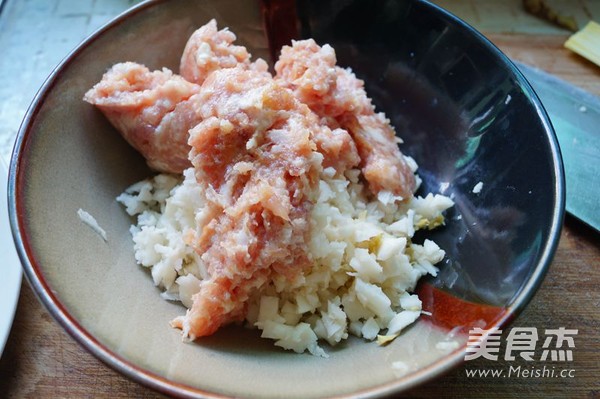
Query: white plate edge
10	266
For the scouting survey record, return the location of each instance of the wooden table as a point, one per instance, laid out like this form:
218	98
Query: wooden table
42	361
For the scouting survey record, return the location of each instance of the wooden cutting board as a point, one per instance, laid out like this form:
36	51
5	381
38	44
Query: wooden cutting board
531	40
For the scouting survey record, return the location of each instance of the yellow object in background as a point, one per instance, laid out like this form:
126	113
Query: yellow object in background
586	42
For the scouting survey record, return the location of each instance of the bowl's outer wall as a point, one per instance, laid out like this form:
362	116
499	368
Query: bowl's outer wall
464	116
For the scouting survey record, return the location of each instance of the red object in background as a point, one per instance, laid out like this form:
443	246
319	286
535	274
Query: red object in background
449	312
280	18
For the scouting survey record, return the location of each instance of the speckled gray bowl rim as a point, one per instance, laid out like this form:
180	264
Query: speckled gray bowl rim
89	342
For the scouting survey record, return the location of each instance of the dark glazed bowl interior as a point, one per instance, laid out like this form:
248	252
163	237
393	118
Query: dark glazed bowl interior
465	113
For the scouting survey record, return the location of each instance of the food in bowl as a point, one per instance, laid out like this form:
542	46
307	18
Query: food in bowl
283	201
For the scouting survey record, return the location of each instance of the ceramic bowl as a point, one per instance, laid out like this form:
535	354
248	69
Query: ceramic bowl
466	115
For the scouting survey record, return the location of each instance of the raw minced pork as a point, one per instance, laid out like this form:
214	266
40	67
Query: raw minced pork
289	205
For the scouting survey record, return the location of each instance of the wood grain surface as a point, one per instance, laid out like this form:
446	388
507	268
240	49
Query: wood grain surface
42	361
